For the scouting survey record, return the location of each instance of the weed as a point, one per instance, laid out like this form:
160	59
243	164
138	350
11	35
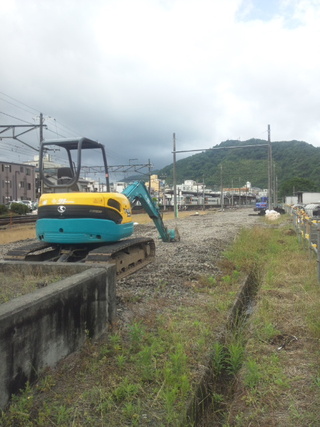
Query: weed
125	390
170	396
217	398
317	381
234	357
178	360
136	334
184	385
252	375
212	281
121	360
132	412
314	325
266	331
63	415
104	351
46	383
218	355
144	362
223	306
20	409
115	342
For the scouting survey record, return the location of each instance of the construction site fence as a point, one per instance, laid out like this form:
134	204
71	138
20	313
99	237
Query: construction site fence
308	232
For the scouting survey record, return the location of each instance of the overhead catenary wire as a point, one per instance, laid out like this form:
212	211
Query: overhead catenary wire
18	151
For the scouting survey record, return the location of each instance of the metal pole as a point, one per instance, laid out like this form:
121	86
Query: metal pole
232	194
275	197
269	170
149	177
175	206
203	194
41	139
221	190
318	251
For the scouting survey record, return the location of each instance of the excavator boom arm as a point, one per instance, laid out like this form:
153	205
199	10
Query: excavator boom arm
138	191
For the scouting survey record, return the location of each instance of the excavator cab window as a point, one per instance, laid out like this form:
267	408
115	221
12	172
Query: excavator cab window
64	175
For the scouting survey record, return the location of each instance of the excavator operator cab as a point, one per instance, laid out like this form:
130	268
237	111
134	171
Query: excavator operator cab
64	178
59	179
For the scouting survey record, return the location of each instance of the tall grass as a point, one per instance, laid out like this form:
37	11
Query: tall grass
281	364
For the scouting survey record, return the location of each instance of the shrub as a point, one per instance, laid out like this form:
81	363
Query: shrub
19	208
3	209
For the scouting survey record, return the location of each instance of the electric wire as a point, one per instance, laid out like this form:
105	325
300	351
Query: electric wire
25	105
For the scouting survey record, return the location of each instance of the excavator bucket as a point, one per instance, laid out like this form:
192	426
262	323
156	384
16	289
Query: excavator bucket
174	235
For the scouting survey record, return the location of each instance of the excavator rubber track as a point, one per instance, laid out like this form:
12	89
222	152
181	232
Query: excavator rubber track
129	255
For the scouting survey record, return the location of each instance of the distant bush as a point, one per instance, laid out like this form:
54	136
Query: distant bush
3	209
19	208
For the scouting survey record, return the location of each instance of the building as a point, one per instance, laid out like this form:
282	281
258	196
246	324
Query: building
17	182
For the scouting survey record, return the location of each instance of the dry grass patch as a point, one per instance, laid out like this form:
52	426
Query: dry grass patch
18	284
17	233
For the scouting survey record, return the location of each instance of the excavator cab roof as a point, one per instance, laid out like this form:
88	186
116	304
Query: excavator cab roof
73	148
73	143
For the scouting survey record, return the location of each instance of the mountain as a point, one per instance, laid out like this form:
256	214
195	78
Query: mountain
296	165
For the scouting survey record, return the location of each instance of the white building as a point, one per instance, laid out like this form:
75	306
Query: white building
192	186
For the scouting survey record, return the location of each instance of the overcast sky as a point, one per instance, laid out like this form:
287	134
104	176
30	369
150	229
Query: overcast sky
130	73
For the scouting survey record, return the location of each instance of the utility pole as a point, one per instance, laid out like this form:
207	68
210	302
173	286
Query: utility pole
41	127
232	194
269	170
41	139
221	195
275	190
149	176
175	206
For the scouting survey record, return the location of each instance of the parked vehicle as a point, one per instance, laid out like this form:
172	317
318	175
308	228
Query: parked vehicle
261	205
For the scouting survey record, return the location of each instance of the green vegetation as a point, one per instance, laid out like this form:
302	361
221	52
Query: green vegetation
15	208
3	210
146	371
279	377
296	165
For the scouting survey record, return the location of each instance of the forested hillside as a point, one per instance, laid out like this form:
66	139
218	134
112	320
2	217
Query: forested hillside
296	166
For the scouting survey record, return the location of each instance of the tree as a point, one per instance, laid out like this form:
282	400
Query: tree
291	186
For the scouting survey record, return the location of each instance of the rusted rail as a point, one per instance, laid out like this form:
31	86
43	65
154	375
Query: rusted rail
16	220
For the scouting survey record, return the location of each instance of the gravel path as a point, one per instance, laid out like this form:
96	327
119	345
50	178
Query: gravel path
179	264
202	238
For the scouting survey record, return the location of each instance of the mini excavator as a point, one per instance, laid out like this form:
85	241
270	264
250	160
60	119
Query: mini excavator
89	227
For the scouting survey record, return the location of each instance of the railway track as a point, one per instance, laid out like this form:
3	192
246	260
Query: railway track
16	220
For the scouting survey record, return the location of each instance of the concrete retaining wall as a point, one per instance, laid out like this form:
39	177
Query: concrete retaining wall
39	329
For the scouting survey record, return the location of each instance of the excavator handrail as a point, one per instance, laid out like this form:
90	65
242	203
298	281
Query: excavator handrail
138	191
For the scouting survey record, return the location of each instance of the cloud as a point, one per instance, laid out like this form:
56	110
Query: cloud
130	74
